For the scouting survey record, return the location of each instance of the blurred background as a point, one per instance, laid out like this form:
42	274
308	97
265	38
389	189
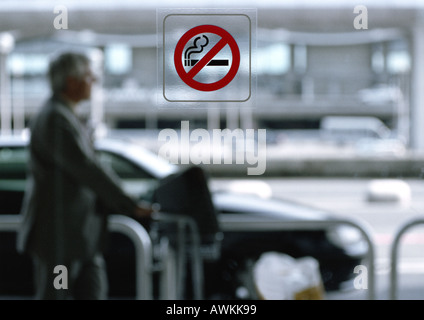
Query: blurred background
342	106
322	86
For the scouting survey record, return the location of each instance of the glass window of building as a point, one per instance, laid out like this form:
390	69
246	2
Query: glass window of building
118	59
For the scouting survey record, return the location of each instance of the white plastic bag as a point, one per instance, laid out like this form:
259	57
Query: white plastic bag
278	276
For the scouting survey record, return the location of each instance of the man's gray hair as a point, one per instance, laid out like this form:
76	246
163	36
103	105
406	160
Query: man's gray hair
66	65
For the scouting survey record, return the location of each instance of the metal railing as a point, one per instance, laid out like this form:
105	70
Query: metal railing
184	223
10	222
394	251
143	252
228	222
130	228
232	222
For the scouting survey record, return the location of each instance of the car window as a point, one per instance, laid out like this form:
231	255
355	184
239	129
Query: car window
122	167
136	181
13	163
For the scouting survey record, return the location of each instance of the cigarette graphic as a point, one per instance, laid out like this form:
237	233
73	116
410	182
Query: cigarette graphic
198	48
213	62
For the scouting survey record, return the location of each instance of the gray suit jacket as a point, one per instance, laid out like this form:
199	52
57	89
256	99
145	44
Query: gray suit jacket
65	181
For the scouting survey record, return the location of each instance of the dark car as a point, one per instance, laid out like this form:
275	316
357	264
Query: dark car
338	249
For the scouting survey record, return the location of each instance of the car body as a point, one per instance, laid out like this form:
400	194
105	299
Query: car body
338	249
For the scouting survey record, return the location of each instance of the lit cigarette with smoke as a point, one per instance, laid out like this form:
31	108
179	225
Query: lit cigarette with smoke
198	48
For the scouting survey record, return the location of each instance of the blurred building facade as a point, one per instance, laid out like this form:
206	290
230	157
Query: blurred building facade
311	63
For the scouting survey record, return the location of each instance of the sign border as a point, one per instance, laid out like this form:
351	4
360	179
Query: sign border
207	14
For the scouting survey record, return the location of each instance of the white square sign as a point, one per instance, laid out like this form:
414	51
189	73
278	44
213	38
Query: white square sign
206	56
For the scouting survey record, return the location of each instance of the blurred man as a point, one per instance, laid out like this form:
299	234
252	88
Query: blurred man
66	181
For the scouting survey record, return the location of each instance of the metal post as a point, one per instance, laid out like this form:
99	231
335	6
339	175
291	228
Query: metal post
10	222
143	252
18	98
184	223
7	43
394	253
417	83
181	258
97	95
196	260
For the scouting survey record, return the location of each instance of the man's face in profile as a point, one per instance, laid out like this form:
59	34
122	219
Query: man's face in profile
85	84
80	88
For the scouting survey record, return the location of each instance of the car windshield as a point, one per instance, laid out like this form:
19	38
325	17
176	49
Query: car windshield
136	181
151	164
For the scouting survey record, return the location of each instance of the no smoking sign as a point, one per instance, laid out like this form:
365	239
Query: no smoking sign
207	57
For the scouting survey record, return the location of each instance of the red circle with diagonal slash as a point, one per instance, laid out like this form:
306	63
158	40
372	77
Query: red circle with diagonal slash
187	77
